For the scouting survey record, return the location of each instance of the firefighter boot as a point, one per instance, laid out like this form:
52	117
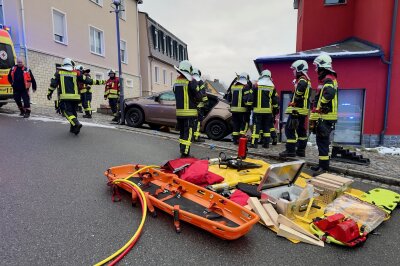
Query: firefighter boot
321	168
290	150
87	115
235	140
27	113
199	139
266	141
301	153
77	128
274	140
21	111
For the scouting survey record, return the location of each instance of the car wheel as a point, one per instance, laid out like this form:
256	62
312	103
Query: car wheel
216	129
154	126
134	117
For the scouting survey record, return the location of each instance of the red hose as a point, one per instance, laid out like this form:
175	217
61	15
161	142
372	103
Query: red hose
126	251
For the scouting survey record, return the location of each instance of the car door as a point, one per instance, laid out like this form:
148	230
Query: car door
163	112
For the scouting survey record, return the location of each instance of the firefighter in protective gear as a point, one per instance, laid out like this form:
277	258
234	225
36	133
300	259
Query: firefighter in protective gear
187	98
66	80
295	130
201	105
264	101
21	79
324	114
111	93
86	94
240	97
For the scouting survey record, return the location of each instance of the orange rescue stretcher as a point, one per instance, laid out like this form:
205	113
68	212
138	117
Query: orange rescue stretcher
185	201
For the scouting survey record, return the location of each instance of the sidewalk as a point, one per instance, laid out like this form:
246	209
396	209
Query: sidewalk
383	167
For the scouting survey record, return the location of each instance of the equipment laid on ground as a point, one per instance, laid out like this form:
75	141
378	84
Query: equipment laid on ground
330	186
383	198
186	201
242	149
346	156
278	188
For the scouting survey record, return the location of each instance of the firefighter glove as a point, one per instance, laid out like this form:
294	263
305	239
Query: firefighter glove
292	104
324	109
49	95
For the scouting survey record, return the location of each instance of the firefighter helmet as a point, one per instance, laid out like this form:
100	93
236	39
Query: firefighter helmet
185	68
79	67
68	64
323	61
196	73
111	71
243	78
300	66
265	74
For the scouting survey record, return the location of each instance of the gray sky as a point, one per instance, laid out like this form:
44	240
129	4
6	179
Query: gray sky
225	36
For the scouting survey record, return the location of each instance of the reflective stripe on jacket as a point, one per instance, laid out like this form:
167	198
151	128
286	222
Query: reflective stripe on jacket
112	88
26	75
328	99
186	105
264	99
301	98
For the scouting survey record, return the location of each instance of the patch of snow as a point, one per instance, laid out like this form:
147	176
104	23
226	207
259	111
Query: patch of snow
386	150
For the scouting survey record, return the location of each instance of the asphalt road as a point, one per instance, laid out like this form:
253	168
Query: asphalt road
56	208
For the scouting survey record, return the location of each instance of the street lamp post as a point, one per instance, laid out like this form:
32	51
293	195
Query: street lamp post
117	10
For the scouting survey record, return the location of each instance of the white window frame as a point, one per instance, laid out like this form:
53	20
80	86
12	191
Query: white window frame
65	42
4	15
102	42
129	83
164	71
98	4
99	74
122	14
172	81
172	49
335	4
157	42
126	52
156	74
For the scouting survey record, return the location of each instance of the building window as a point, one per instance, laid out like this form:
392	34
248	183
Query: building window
164	45
129	83
124	54
156	75
59	27
156	44
99	76
96	41
172	48
349	126
1	12
172	79
122	11
98	2
335	2
160	41
164	76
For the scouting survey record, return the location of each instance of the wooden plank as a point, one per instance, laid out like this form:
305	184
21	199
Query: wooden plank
321	178
258	208
289	223
273	215
319	183
344	180
293	234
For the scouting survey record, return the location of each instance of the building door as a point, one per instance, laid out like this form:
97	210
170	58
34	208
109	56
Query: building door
286	97
350	116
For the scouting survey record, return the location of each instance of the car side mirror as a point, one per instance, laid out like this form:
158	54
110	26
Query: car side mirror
157	98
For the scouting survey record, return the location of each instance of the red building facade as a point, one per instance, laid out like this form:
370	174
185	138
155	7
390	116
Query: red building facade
363	39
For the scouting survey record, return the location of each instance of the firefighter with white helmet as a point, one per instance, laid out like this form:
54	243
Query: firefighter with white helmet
295	129
196	73
111	92
240	97
324	114
187	98
264	101
65	80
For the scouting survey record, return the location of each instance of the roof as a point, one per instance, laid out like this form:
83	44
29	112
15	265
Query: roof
217	85
349	48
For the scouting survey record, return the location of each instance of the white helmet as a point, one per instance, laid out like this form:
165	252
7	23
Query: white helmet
79	67
300	66
323	61
243	78
196	73
265	74
185	68
111	71
68	64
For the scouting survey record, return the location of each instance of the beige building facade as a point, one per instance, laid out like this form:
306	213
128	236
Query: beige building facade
160	51
83	30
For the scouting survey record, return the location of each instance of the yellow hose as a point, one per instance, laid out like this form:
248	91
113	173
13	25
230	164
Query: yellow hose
141	169
140	226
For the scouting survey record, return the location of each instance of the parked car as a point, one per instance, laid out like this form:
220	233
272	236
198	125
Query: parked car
159	110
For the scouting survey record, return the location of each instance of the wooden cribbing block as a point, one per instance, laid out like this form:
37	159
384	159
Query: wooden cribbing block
293	234
319	183
289	223
345	181
258	208
329	180
273	215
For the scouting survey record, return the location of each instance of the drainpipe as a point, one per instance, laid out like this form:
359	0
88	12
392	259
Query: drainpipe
389	76
138	46
24	32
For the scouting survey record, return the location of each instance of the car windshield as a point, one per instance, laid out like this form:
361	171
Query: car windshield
6	56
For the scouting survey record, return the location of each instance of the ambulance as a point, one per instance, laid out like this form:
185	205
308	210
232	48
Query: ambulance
7	61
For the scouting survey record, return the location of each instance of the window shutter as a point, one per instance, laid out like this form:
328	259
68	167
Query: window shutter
58	24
